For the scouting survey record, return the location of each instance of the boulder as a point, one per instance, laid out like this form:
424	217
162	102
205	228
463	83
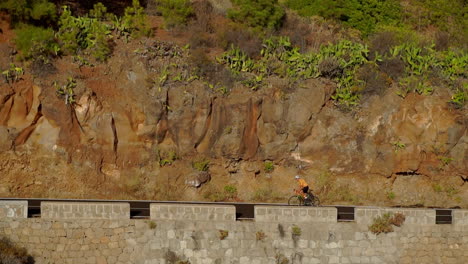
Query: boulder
197	179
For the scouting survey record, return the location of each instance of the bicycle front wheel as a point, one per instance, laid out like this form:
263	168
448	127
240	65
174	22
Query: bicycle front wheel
296	200
315	201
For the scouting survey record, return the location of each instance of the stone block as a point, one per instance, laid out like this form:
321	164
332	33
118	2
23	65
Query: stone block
460	217
288	214
13	209
85	210
225	213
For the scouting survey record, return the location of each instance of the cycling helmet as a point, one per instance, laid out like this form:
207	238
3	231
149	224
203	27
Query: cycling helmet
297	177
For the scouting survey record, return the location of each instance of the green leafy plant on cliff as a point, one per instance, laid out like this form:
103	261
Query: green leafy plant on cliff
167	157
460	97
86	34
231	191
444	161
66	91
398	145
201	164
385	223
268	166
13	74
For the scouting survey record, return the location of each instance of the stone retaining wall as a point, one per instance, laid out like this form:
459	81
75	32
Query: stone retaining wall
365	216
83	210
177	233
13	209
193	212
288	214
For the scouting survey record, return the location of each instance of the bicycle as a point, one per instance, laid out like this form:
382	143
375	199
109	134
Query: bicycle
298	200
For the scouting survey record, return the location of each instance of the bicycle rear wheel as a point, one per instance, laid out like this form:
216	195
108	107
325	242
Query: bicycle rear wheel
296	200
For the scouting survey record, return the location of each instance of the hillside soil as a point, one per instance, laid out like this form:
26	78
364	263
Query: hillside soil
127	138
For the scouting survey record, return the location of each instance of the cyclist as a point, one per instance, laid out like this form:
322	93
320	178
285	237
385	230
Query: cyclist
303	187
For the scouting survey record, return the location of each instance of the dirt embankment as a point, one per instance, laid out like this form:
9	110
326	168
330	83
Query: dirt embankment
127	138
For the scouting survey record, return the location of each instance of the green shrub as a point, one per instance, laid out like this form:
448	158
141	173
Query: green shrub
13	74
296	231
167	158
66	91
460	97
99	11
257	13
231	191
152	225
385	222
201	165
84	34
268	166
34	11
364	15
175	12
135	20
381	224
35	42
10	253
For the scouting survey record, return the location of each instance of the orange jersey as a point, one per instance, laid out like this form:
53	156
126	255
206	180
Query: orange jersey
302	183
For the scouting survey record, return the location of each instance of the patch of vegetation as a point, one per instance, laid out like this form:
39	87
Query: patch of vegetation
281	259
36	43
84	34
223	234
460	97
152	225
260	236
30	11
13	74
258	14
201	165
296	231
134	23
398	145
437	187
364	15
449	190
385	223
268	166
175	12
266	194
444	161
391	195
66	91
167	157
231	191
11	253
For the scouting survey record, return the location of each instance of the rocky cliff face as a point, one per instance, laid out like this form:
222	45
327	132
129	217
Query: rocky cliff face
110	142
